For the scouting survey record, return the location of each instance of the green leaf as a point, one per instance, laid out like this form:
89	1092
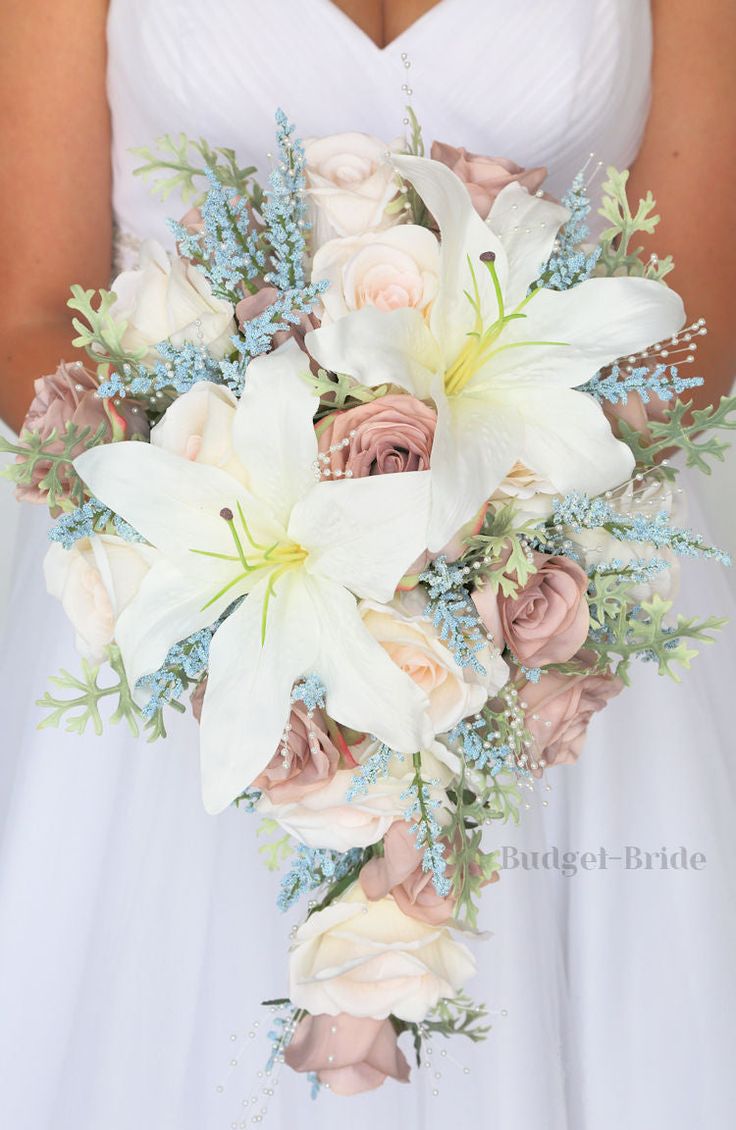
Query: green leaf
277	851
337	391
617	255
48	460
179	163
683	430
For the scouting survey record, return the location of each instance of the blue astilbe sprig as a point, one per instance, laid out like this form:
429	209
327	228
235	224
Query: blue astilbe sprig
371	771
228	249
93	517
615	384
179	368
453	613
419	815
257	333
569	263
311	691
480	747
312	868
185	662
578	511
285	212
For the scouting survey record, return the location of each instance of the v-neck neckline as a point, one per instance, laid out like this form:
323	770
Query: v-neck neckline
397	40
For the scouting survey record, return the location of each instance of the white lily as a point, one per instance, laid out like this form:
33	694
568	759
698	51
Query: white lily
296	549
502	366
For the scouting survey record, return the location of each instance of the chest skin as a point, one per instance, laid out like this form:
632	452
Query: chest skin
384	20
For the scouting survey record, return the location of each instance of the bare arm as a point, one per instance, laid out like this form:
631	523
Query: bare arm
54	184
688	159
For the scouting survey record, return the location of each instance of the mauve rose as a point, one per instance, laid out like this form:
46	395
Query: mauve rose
69	396
349	1054
632	412
559	708
484	177
399	873
548	620
254	304
311	761
391	434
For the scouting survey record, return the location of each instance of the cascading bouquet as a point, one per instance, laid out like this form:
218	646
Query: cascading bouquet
392	507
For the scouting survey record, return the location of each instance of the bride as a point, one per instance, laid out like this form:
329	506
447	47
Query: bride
137	934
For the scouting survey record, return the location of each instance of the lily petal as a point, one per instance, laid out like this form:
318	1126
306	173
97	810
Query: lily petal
365	689
174	503
599	320
568	439
364	533
465	237
247	701
168	607
379	347
273	431
527	226
476	442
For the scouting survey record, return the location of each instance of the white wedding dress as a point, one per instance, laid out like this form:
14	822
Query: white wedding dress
136	933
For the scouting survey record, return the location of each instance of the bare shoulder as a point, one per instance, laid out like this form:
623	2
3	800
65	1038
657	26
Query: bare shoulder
55	142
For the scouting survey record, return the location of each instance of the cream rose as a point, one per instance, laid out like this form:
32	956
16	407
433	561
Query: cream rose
531	494
414	645
325	818
369	959
389	270
199	426
350	183
95	580
598	546
168	297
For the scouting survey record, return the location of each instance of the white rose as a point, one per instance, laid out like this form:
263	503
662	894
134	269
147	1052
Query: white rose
531	494
389	270
369	959
169	298
350	183
199	426
95	581
598	546
453	692
324	818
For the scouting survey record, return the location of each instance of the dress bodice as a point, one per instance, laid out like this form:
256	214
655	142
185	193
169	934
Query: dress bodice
542	83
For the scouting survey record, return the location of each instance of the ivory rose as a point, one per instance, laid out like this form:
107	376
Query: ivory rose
647	498
399	872
199	426
414	645
389	270
168	297
304	762
349	1054
350	182
558	711
392	433
69	396
370	959
530	494
547	620
325	818
484	177
95	581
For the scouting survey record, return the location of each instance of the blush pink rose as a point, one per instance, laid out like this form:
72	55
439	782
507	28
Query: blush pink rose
254	305
391	434
69	396
559	708
484	177
548	619
399	873
306	760
349	1054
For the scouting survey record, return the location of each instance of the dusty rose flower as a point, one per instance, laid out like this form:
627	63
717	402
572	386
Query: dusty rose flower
254	304
69	396
391	434
484	177
399	873
548	619
309	763
348	1053
632	412
196	698
559	708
